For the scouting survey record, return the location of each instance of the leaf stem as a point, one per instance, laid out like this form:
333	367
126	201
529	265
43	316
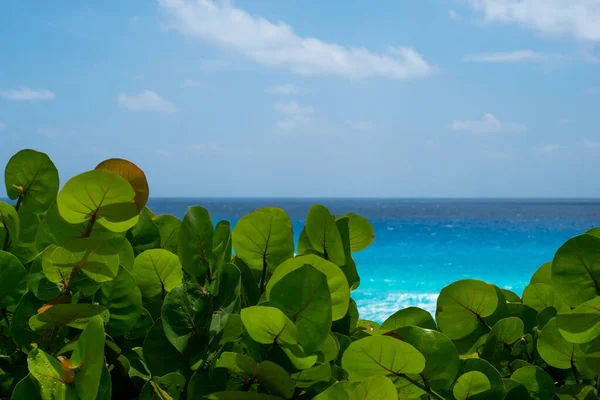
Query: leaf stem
426	389
575	373
18	205
86	233
264	274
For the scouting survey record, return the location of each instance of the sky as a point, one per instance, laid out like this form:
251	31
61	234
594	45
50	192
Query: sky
296	98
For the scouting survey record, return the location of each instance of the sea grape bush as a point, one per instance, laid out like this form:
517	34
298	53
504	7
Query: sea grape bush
101	299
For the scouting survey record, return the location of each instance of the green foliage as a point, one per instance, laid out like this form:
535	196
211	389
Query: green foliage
101	299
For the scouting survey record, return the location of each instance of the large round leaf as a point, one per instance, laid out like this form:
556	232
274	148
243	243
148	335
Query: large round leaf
478	364
75	315
88	358
32	176
543	274
21	332
472	385
576	270
185	315
441	357
303	295
540	296
463	305
381	355
132	174
12	274
264	238
338	285
269	325
338	391
102	196
49	374
409	316
349	267
375	388
9	221
515	390
362	232
323	234
555	350
94	256
504	333
145	234
538	383
123	299
123	248
27	388
160	356
156	272
582	324
168	226
195	242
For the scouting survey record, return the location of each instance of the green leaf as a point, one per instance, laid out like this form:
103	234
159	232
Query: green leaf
582	324
543	274
169	227
540	295
323	234
145	234
312	376
409	316
275	379
544	316
88	358
471	385
205	382
132	174
32	176
441	357
124	250
463	305
28	388
123	300
339	391
298	359
159	354
381	355
172	385
362	232
269	325
195	242
349	267
375	388
338	285
307	304
101	196
554	349
156	272
515	390
264	238
12	274
241	396
478	364
74	315
49	374
20	331
185	315
9	220
537	382
93	256
105	389
576	270
510	296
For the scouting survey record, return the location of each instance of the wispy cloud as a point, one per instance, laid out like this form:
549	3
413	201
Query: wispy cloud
277	45
570	18
486	125
27	94
452	14
146	101
293	115
206	148
589	144
190	83
286	89
547	148
361	125
507	57
214	64
2	125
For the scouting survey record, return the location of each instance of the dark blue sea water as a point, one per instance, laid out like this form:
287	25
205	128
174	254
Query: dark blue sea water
422	245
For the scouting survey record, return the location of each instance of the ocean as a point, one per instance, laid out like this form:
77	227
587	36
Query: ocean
423	245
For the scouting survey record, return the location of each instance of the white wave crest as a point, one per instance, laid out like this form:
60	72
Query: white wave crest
379	309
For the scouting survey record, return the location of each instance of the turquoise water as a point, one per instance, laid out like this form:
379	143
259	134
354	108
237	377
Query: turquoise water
422	245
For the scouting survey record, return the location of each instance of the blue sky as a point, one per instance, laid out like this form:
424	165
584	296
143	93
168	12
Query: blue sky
428	98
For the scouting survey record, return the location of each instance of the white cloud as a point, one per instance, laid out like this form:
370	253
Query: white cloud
205	148
2	125
134	19
452	14
588	144
214	64
361	125
547	148
487	124
293	115
507	57
146	101
286	89
190	83
277	45
27	94
572	18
